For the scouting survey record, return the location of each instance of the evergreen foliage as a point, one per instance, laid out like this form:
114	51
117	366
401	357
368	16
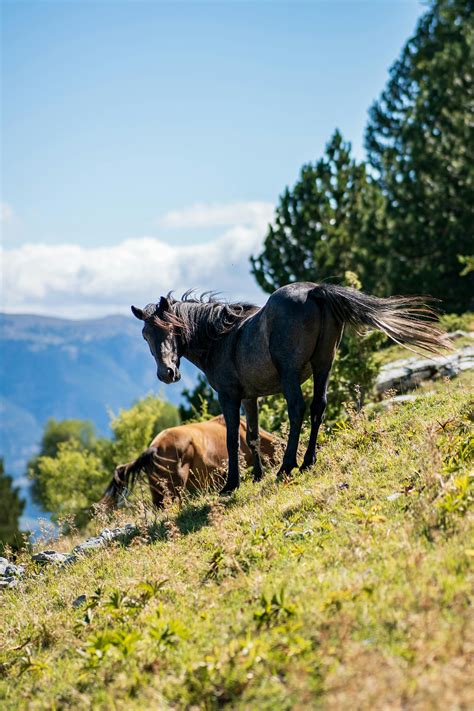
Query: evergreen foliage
420	140
11	508
199	403
331	221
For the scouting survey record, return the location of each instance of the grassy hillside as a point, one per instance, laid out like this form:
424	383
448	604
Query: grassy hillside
348	587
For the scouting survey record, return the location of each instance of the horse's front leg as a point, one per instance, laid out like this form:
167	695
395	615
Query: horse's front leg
231	411
252	437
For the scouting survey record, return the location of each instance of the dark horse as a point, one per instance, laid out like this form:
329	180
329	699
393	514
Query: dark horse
246	351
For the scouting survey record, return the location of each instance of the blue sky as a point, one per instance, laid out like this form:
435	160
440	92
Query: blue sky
142	140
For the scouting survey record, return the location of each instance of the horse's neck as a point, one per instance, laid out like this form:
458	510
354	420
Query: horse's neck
197	345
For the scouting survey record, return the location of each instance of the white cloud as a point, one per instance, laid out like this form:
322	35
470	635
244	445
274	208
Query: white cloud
74	281
218	214
6	213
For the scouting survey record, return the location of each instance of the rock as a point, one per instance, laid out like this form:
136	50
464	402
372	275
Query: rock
71	558
398	398
90	544
393	497
460	334
14	570
79	601
11	574
50	557
406	374
105	537
299	534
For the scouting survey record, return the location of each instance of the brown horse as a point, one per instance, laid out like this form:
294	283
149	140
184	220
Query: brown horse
188	457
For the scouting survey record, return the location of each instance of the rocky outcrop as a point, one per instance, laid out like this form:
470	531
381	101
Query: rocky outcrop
404	375
11	575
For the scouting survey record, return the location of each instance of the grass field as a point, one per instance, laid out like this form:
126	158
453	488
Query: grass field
349	587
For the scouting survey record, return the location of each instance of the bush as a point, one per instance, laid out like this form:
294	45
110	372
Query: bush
134	429
71	480
80	433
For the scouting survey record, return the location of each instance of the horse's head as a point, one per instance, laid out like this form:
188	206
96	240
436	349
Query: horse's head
160	334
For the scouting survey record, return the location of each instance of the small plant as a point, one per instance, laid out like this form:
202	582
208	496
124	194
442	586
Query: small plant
151	588
273	609
168	634
119	644
221	677
215	564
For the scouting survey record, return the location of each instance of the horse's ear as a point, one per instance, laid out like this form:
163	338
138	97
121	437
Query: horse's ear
164	304
138	313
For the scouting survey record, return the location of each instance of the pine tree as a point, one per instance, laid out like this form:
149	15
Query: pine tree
11	508
332	221
420	140
199	403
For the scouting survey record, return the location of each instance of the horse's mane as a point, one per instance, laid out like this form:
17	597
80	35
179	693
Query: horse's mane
203	317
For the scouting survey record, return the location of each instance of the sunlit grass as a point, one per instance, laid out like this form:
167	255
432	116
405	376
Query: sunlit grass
347	587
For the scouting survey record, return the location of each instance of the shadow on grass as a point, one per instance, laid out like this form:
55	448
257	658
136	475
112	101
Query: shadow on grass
192	518
158	532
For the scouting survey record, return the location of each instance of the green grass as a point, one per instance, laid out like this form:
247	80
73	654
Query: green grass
318	593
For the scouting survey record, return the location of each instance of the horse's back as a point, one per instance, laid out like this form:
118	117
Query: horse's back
201	444
282	335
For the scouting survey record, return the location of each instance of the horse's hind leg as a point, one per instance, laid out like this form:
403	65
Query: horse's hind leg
321	362
318	405
291	389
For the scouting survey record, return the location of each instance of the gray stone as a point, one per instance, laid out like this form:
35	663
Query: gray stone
460	334
393	497
79	601
107	534
71	558
49	557
408	373
10	574
299	534
90	544
14	570
4	565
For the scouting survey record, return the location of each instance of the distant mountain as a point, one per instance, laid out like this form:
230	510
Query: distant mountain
51	367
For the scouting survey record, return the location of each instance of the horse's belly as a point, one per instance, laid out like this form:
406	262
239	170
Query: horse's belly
268	382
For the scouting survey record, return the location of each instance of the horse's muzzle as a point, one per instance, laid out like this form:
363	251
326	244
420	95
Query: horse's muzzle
170	375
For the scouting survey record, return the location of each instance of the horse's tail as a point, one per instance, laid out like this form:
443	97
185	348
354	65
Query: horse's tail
124	479
407	320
